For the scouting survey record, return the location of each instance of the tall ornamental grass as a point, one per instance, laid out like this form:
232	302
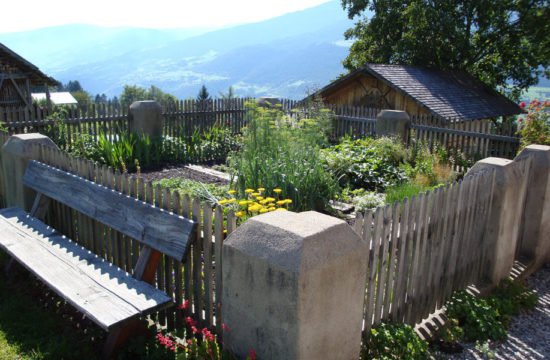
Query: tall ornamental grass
279	151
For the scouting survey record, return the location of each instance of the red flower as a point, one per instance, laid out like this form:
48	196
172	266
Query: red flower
207	334
184	305
194	330
251	354
190	322
520	119
522	104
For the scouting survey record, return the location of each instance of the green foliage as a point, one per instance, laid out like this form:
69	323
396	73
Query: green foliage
510	298
535	128
497	41
369	163
479	320
280	151
203	94
429	168
368	200
194	188
394	341
133	93
405	190
57	131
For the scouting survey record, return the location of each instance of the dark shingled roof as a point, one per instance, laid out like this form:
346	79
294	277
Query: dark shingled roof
36	76
448	94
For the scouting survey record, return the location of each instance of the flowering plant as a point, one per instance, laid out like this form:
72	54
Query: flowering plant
255	202
534	128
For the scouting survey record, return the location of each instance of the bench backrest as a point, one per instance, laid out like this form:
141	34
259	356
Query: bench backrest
161	230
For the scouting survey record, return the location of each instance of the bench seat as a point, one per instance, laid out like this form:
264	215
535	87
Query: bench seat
105	293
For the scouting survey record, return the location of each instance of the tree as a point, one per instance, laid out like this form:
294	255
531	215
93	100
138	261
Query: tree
203	94
132	93
230	94
71	86
505	43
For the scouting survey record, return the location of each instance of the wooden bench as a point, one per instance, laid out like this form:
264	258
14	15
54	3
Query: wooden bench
109	296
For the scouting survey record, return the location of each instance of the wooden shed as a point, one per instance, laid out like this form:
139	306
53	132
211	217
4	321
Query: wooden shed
17	79
419	91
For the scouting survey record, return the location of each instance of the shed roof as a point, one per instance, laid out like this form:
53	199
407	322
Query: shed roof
448	94
36	76
58	98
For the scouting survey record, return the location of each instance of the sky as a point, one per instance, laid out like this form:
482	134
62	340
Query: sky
34	14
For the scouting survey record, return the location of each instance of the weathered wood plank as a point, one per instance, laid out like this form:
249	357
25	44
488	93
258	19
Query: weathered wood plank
108	295
163	231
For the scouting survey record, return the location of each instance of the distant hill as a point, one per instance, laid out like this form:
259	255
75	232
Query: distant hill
283	56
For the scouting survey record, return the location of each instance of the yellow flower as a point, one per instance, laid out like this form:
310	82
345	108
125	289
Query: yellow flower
270	199
255	208
261	189
223	202
243	202
277	190
231	201
288	201
248	191
263	202
255	194
232	192
280	209
271	208
281	202
259	198
240	214
264	210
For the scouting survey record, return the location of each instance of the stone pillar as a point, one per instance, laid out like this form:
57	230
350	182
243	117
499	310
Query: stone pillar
535	232
16	153
145	117
393	123
503	229
293	287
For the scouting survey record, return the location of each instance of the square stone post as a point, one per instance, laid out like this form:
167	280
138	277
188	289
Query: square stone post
503	229
16	154
535	232
294	287
145	118
393	123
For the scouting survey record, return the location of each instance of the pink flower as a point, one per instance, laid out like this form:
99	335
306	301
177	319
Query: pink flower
251	354
522	104
207	334
194	330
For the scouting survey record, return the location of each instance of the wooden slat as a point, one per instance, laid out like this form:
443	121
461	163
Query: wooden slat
163	231
108	295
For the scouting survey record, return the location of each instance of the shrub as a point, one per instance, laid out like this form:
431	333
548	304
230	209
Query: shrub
510	298
394	341
535	128
369	200
429	168
369	163
281	152
479	320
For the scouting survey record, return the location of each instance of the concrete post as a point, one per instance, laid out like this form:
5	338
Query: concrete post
16	153
503	229
535	236
145	117
393	123
293	287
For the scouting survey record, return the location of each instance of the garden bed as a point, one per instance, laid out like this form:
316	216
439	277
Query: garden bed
182	171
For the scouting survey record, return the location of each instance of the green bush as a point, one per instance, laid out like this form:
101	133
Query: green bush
535	128
369	163
281	152
479	320
394	341
510	298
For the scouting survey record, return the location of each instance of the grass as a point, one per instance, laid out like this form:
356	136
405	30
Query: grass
194	189
406	190
28	330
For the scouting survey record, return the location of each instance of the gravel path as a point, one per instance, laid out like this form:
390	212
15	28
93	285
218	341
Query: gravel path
529	333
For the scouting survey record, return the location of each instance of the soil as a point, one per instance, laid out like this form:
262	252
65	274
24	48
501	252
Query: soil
181	171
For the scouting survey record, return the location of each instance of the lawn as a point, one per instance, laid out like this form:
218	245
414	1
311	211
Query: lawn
35	324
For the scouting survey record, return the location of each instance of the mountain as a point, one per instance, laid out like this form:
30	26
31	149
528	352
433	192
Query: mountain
283	56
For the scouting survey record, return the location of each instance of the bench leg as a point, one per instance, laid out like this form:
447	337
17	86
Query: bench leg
120	336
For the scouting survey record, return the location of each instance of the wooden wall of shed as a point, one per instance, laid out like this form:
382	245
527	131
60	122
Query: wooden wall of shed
14	87
366	90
